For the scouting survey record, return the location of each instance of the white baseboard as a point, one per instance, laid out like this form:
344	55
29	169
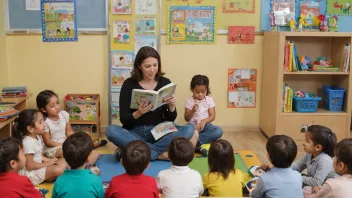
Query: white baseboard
225	128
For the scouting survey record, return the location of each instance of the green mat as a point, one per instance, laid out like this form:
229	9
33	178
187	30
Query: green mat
200	164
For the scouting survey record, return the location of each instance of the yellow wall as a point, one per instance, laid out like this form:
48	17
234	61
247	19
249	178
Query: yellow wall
82	67
4	76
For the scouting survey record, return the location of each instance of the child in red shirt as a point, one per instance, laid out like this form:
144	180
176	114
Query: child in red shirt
12	159
133	183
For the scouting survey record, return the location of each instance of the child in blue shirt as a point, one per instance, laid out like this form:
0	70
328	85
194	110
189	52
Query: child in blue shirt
78	182
280	180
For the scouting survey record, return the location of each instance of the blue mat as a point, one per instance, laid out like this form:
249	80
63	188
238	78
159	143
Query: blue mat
109	167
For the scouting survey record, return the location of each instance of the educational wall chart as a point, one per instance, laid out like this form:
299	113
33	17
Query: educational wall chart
241	35
240	6
59	23
191	24
121	7
242	88
133	24
339	7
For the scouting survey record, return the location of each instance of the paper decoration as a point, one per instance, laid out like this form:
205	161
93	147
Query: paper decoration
241	35
339	7
311	12
59	22
119	75
144	25
285	9
32	4
145	7
191	24
238	6
121	31
121	7
242	88
122	58
141	41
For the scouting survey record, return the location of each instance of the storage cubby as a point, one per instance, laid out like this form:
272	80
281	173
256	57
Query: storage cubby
312	44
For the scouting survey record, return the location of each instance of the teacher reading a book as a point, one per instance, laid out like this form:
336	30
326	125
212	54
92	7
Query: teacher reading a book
138	122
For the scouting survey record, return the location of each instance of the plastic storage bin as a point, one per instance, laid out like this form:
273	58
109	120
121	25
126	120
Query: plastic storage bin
306	104
333	98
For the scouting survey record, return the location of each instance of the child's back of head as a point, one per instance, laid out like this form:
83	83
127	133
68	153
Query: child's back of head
181	151
10	157
343	157
76	149
282	151
136	157
221	158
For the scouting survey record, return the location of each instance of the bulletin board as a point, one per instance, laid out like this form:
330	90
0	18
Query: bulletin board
344	22
223	20
132	25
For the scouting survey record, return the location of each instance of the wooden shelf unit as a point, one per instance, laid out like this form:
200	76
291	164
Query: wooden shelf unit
312	44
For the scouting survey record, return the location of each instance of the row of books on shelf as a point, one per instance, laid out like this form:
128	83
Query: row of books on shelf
293	62
7	111
287	98
8	92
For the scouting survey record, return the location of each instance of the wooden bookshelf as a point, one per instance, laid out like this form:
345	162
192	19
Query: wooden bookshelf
312	44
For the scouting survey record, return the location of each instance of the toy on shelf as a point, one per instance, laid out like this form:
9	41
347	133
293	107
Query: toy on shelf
323	24
322	61
305	63
293	25
301	22
333	23
322	64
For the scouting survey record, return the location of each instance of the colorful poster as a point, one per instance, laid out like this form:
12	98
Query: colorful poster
241	35
141	41
311	12
238	6
145	7
191	24
122	31
32	4
121	7
122	58
115	108
339	7
144	25
242	88
285	8
59	22
119	75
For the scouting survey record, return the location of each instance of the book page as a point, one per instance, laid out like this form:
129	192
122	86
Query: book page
142	97
165	92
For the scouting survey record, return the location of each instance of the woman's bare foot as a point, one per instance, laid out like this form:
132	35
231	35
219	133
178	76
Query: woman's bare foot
164	156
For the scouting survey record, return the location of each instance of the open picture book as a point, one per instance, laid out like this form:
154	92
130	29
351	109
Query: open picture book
162	129
141	96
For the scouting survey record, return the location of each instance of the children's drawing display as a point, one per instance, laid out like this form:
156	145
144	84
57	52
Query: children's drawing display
133	25
240	6
59	23
242	88
191	24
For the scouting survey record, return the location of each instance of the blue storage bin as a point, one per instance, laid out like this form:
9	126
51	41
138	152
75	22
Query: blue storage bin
307	104
333	98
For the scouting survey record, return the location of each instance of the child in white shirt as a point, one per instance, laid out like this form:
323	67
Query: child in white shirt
200	110
180	180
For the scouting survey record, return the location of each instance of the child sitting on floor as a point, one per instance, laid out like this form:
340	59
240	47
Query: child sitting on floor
28	128
280	180
78	182
223	179
12	159
180	180
135	159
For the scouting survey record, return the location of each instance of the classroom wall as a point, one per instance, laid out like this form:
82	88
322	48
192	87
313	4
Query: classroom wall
82	67
4	76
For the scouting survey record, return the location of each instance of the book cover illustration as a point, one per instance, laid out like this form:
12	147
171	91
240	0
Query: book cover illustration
121	7
141	98
252	184
122	58
121	31
162	129
255	171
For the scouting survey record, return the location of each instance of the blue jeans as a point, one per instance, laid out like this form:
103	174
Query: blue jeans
121	137
209	134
